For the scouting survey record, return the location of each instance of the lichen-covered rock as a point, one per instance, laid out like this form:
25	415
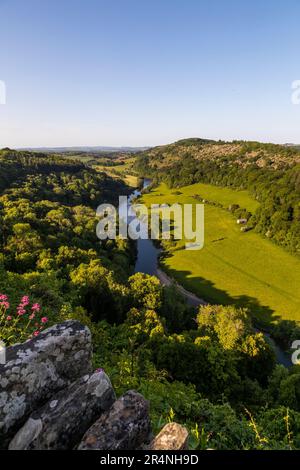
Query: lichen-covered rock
61	423
124	427
173	436
37	369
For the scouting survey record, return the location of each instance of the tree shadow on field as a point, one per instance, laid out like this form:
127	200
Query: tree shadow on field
262	315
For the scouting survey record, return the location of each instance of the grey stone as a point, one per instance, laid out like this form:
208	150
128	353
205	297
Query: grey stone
124	427
61	423
37	369
173	436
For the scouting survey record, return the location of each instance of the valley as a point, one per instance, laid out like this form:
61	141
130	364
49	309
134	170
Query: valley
146	332
233	267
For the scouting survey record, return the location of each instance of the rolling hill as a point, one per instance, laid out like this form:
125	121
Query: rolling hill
269	172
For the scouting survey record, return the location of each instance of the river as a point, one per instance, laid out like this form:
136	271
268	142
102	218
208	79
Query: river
147	262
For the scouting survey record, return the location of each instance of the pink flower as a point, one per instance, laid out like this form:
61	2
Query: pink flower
5	304
35	307
21	306
25	300
44	320
21	311
3	297
8	318
31	317
36	333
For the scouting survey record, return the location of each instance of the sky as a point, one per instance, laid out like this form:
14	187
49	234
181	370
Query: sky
148	72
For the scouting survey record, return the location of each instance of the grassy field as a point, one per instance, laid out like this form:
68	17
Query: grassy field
233	267
131	180
122	171
123	167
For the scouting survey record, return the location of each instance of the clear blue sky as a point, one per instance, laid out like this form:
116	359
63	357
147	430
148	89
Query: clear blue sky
147	72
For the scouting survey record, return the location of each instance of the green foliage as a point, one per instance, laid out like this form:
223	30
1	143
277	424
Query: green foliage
285	332
177	314
48	239
230	325
200	373
289	392
146	290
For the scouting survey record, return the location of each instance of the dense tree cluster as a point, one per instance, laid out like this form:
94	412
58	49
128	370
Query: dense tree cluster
15	166
47	233
219	373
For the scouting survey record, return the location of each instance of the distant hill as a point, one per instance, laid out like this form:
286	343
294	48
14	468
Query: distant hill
85	149
241	153
271	174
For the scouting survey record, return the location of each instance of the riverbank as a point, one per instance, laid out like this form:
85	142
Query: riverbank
191	298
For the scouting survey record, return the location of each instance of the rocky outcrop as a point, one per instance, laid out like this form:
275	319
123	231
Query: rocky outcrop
173	436
37	369
125	426
61	423
50	399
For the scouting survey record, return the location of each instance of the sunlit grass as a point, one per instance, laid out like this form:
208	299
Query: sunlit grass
233	267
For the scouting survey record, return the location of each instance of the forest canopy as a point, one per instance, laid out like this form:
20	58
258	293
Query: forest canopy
209	368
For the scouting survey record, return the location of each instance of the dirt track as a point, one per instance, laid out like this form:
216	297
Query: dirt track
190	297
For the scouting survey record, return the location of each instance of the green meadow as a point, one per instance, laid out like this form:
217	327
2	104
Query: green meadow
123	171
233	267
